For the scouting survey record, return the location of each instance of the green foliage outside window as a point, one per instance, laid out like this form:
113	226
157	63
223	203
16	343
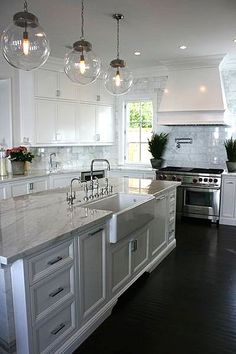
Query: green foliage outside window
140	115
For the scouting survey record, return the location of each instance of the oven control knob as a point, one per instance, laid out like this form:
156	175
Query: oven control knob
194	180
160	177
179	179
215	180
205	179
200	179
164	176
210	180
173	178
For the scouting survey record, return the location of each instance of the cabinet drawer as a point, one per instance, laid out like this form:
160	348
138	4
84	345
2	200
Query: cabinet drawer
47	262
52	291
54	332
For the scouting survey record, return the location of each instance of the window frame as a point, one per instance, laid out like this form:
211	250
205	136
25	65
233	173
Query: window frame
125	127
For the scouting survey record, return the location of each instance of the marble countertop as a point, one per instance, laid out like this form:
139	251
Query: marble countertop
33	222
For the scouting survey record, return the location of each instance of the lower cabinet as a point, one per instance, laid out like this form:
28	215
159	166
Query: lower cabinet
92	271
228	200
5	191
29	186
128	257
158	227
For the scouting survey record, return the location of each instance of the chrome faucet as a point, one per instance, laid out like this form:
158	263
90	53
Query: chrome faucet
71	197
99	160
51	161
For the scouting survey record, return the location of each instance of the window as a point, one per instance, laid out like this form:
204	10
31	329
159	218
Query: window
139	127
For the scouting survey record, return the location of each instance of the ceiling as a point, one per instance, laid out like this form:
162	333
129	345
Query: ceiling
154	27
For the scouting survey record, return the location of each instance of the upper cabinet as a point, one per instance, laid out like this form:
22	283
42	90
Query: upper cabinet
56	111
54	84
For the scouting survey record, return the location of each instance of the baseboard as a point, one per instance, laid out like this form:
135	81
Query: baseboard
228	221
156	261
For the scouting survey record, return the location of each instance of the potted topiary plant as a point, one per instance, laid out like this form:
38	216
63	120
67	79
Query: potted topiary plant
230	147
157	145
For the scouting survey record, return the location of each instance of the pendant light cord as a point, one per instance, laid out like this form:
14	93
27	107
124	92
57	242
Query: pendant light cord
118	38
82	19
25	6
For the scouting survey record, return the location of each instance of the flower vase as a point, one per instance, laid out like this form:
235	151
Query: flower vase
18	167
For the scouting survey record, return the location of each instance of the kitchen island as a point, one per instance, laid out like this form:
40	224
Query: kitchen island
60	275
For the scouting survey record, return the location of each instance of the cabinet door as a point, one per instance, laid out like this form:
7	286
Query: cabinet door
46	83
158	227
121	265
89	93
4	192
38	185
105	97
45	121
66	122
139	249
92	258
68	89
104	124
19	189
86	123
228	198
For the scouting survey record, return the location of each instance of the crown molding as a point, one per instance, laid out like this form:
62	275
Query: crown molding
206	61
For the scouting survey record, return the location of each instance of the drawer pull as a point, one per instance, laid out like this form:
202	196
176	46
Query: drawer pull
58	329
56	292
134	245
55	260
96	232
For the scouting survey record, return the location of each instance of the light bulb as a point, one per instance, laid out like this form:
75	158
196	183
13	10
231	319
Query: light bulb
117	78
26	43
82	66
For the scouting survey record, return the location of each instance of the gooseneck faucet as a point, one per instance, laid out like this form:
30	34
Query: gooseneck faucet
71	197
50	160
99	160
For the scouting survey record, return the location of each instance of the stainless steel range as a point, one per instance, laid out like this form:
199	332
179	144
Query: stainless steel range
199	194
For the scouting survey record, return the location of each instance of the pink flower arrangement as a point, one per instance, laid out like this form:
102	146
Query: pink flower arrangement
19	153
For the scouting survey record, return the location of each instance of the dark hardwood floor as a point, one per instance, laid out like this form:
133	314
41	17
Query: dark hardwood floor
187	305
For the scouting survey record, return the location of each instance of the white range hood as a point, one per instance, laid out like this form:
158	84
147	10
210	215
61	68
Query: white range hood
193	96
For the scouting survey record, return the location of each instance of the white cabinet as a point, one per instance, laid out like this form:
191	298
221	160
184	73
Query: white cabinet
158	228
55	122
138	173
95	124
28	186
5	191
129	257
54	84
92	271
228	200
96	93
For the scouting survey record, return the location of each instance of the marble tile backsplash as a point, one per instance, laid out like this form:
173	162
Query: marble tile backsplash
207	148
72	157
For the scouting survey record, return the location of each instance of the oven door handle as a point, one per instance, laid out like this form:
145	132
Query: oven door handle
200	189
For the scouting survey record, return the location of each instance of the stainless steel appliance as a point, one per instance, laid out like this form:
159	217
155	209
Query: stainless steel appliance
199	194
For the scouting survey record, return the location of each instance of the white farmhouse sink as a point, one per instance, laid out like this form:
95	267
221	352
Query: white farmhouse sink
130	212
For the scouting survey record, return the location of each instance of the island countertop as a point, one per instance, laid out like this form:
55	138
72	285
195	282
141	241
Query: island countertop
33	222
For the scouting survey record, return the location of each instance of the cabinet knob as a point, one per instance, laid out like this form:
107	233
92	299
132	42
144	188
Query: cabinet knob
98	98
58	93
31	186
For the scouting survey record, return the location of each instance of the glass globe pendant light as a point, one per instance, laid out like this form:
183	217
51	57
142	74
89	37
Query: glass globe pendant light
24	43
81	63
118	78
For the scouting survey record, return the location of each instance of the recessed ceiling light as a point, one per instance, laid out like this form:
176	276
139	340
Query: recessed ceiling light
182	47
234	40
137	53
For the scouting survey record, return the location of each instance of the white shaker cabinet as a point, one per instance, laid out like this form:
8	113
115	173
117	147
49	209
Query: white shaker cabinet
95	124
228	200
92	271
54	84
28	186
4	191
128	258
55	122
158	228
